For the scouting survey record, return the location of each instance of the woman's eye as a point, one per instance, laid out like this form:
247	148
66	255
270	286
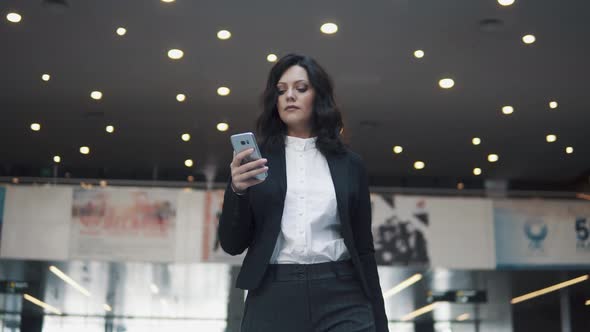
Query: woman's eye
281	92
302	89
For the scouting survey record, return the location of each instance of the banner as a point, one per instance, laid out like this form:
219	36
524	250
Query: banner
174	225
431	231
542	233
407	231
124	223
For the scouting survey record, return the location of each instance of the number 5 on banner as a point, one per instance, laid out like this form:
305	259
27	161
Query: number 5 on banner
582	229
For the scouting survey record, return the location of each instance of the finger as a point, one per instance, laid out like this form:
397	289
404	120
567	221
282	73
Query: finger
244	177
237	170
240	156
252	173
251	165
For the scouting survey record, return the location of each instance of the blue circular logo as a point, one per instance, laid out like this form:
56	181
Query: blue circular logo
536	230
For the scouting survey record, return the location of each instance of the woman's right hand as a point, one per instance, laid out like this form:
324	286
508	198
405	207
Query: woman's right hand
243	175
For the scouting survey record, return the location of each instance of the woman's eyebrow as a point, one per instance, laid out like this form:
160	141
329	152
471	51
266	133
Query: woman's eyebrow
298	81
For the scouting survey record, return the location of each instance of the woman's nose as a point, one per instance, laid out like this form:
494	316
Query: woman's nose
290	93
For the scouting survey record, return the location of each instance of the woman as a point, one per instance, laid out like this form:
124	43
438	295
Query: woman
310	264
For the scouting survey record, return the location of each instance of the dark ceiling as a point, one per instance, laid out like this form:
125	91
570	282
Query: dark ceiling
388	97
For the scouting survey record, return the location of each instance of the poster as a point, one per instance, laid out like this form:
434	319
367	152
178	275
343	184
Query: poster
426	231
401	237
124	223
542	233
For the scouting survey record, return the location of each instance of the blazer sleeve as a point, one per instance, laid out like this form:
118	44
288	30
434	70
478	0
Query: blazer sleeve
236	226
364	243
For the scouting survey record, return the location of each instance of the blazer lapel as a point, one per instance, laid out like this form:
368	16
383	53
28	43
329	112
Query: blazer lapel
338	165
278	170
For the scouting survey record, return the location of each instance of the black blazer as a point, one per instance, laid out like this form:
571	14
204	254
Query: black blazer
253	221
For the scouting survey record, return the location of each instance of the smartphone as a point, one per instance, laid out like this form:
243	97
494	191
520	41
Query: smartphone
243	141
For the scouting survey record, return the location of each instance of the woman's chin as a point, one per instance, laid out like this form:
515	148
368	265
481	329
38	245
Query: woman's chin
291	119
295	123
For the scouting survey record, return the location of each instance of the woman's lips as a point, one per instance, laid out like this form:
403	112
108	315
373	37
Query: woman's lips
290	108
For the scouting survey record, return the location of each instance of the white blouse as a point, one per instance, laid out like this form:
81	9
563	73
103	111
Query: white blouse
310	226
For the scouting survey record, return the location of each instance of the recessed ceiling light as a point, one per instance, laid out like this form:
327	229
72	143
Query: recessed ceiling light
110	129
551	138
553	104
419	165
186	137
107	307
45	77
419	54
35	127
477	171
587	303
57	159
505	2
223	91
446	83
96	95
121	31
188	163
175	54
14	17
398	149
329	28
493	158
84	150
529	39
181	97
223	34
507	110
271	58
569	150
168	1
222	126
476	141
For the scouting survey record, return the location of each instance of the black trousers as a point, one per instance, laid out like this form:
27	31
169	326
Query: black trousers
324	297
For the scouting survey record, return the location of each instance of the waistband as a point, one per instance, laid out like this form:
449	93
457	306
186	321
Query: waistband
291	272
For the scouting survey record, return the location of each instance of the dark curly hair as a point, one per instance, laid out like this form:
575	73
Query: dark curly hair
326	120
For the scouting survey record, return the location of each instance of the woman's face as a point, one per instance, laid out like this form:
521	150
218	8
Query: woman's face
295	101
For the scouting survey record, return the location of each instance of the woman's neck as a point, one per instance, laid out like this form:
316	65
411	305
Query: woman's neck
299	133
